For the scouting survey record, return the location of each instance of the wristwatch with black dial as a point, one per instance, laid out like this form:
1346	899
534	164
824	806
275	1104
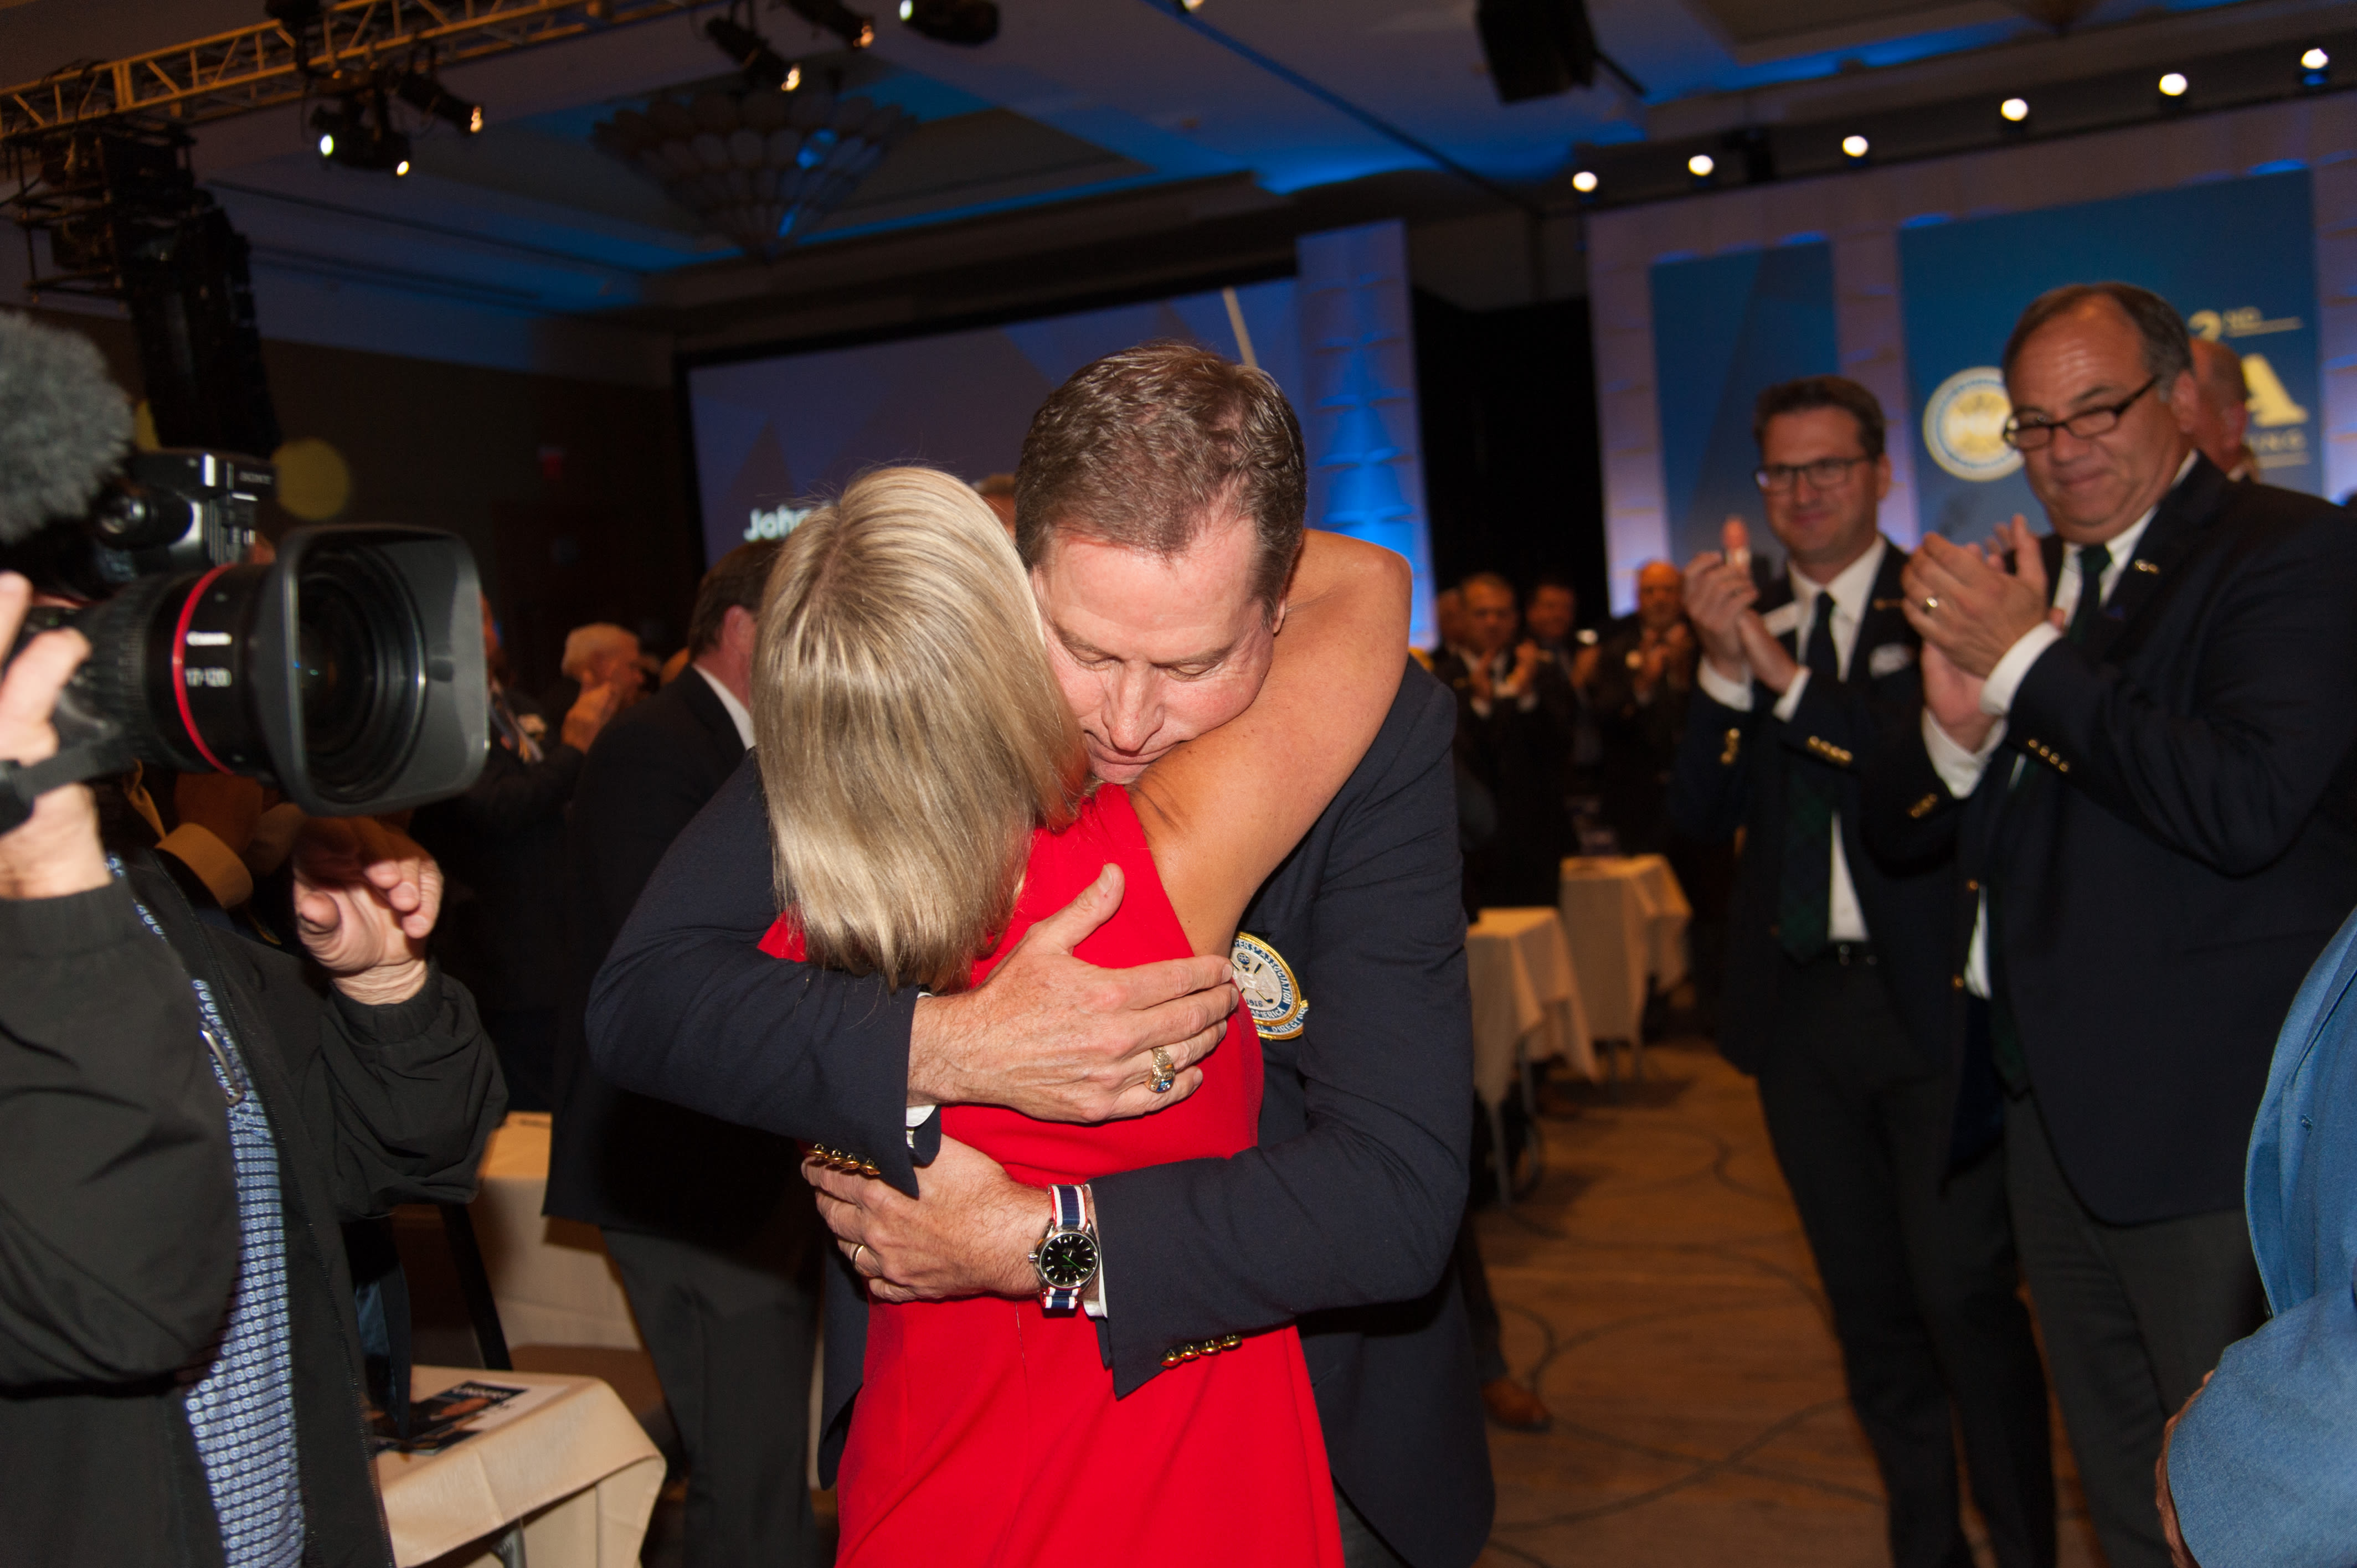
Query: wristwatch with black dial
1066	1257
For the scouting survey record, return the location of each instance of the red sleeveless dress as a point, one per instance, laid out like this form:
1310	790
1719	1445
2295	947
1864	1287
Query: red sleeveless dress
987	1433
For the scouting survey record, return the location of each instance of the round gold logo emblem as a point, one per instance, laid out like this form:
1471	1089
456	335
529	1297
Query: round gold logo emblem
1963	425
1278	1009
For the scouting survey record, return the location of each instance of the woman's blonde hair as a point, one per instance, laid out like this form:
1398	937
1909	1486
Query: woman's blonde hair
910	731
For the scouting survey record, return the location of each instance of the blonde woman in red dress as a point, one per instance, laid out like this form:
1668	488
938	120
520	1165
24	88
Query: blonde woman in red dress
928	801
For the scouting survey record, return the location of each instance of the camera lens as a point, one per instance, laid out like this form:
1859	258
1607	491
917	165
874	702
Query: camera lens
359	672
194	669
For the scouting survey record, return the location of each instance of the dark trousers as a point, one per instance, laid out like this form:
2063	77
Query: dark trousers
1480	1306
1919	1266
732	1335
2135	1317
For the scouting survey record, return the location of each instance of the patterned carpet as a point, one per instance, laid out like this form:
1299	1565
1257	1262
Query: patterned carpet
1656	1290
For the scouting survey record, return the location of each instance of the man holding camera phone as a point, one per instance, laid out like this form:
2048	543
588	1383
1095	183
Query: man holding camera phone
185	1117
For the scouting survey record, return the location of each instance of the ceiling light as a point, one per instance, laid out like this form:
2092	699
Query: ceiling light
966	22
794	78
354	131
1584	182
423	93
1193	4
834	16
2015	108
2174	84
327	143
809	152
2315	59
1700	165
401	168
1855	146
2315	68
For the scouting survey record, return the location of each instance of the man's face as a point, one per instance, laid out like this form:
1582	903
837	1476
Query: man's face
1549	615
616	664
1822	529
2092	358
1149	651
1661	596
2220	412
1489	617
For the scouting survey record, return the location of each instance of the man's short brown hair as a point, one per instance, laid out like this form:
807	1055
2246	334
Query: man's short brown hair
1146	447
735	579
1821	391
2160	329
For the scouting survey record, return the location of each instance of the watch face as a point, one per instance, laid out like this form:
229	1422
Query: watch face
1067	1261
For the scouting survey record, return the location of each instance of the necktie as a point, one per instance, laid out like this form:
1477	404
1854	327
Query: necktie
2094	560
1805	910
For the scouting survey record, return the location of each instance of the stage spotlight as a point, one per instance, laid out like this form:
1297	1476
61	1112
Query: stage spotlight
355	138
2014	110
951	21
834	16
1535	48
1856	147
1700	166
2173	84
422	92
762	66
1584	182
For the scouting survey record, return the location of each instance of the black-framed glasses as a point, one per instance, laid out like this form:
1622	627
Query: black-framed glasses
1823	474
2027	433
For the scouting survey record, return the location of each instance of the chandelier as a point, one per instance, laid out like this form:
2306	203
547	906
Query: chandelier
763	167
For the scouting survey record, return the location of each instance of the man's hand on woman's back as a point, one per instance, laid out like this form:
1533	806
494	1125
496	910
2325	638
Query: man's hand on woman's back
1062	1040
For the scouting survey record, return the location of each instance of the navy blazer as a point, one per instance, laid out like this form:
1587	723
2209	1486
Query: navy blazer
1343	1219
618	1158
2263	1467
2180	845
1734	771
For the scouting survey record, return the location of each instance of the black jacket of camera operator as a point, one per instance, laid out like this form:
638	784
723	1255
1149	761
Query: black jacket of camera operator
118	1212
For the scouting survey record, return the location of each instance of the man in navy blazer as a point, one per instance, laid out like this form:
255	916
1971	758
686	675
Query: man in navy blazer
1343	1219
2260	1470
2141	776
707	1221
1836	995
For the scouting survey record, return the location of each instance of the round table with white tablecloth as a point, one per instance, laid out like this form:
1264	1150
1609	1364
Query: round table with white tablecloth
1626	918
1527	1007
551	1277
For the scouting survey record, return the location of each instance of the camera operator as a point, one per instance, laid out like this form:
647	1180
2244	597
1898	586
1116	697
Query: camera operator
186	1115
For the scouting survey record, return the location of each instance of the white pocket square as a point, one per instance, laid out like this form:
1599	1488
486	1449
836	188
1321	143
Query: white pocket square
1781	619
1889	659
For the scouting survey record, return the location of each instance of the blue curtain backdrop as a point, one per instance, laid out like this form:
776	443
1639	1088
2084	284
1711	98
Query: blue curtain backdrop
2238	256
1724	326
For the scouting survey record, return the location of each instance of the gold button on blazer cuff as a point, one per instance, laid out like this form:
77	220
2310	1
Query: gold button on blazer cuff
1924	807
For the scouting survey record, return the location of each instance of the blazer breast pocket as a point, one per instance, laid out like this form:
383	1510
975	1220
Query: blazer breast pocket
1890	659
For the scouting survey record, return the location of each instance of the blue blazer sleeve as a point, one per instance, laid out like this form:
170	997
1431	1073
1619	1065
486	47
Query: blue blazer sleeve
1363	1207
688	1009
2263	1467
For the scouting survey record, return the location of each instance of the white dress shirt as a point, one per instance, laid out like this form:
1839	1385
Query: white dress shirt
1961	769
738	714
1851	592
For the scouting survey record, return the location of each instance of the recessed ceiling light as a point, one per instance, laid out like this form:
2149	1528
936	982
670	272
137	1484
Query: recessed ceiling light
1855	146
908	9
1193	4
2015	108
401	168
2315	59
1584	181
2174	84
1699	166
327	146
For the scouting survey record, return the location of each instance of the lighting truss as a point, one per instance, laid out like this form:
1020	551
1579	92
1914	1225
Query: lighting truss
258	67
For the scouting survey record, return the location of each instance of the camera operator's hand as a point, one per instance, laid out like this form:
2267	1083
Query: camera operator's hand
55	851
365	901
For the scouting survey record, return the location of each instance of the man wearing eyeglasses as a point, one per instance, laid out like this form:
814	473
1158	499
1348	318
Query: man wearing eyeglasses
1837	990
2133	748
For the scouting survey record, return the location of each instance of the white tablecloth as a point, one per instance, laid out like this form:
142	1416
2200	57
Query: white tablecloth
1626	916
1526	999
551	1277
565	1458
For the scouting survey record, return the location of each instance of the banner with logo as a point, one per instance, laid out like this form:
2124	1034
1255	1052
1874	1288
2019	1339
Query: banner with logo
1724	326
2238	257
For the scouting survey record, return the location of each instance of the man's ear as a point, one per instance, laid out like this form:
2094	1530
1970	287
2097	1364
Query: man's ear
2184	401
1276	616
739	627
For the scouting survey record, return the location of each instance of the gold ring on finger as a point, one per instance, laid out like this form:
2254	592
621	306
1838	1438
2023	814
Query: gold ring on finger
1931	603
856	1247
1166	1072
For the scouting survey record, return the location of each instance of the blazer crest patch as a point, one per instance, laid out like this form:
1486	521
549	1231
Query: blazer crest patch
1270	992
